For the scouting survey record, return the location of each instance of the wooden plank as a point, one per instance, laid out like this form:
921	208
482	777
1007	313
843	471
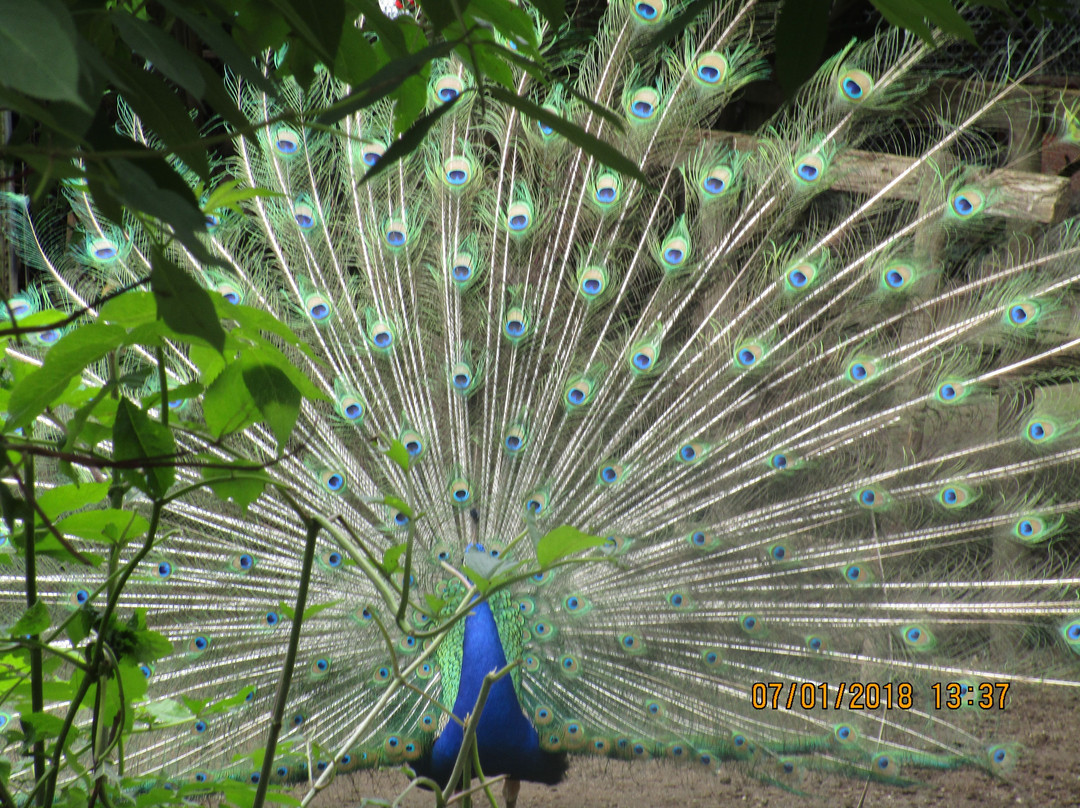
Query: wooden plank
1018	195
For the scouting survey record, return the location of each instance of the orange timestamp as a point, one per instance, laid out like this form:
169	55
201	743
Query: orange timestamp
844	695
874	695
984	695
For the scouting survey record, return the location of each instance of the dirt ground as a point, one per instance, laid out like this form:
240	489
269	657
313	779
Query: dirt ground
1045	722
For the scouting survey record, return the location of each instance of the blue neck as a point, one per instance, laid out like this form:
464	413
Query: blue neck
506	741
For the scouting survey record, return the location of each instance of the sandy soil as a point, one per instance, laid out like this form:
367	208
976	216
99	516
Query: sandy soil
1046	723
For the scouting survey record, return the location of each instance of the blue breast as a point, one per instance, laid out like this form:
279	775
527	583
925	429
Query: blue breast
506	740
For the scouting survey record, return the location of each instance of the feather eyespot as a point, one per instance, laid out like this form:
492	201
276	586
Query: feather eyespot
351	407
752	625
333	481
286	141
717	181
710	69
317	307
674	252
547	131
917	637
642	104
897	277
458	172
579	392
102	249
1023	314
610	473
304	214
516	324
749	355
1071	634
460	492
809	169
395	234
447	88
966	202
461	269
861	369
800	276
519	217
607	189
370	152
649	11
514	439
232	293
855	85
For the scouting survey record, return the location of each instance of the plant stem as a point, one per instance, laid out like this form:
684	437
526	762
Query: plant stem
37	692
313	528
99	650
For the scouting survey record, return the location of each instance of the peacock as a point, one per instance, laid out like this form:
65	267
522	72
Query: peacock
763	460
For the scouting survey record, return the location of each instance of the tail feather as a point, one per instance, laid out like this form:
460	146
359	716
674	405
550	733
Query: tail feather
824	421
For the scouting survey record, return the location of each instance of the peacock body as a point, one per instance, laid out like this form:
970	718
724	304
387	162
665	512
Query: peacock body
827	438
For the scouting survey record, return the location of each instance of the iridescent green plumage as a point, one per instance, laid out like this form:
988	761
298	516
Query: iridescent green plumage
822	418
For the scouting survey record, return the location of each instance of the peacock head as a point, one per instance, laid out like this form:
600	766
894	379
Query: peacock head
486	559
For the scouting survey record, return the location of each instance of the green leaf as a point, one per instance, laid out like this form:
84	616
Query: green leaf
78	627
410	141
130	309
901	14
482	584
184	305
161	110
391	559
282	798
434	604
104	526
33	621
63	498
152	187
167	713
385	81
253	320
399	454
213	34
318	24
910	14
209	362
564	541
242	486
399	504
801	30
553	10
311	611
229	195
38	50
356	58
137	437
161	50
66	359
276	397
266	353
42	725
146	645
228	406
511	21
687	14
227	704
587	142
